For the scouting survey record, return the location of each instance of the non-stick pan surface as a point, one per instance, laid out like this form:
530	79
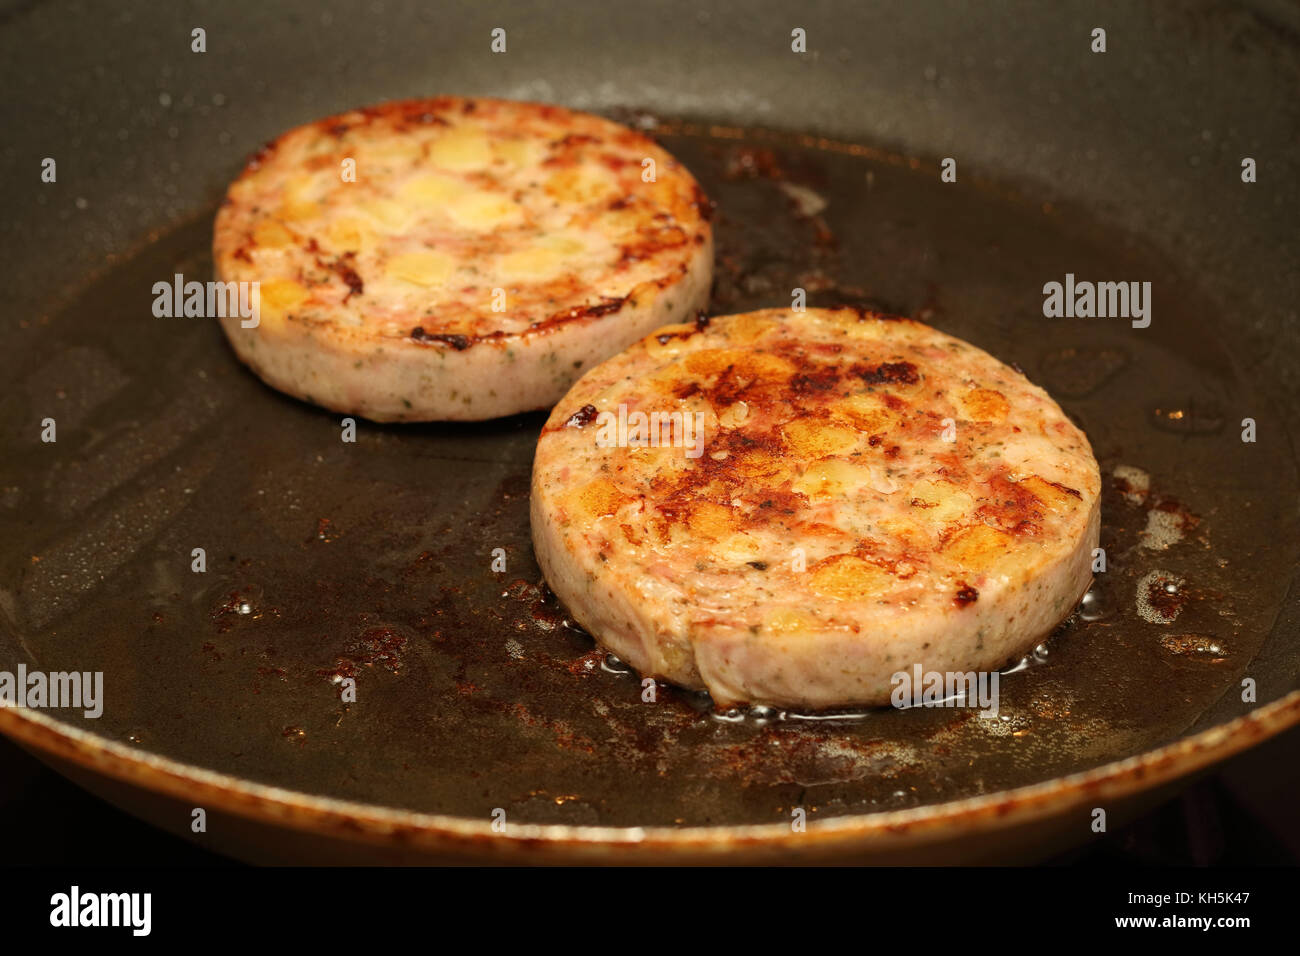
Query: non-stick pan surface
478	701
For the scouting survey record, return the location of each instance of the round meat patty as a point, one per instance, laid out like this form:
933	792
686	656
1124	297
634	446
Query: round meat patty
457	259
789	508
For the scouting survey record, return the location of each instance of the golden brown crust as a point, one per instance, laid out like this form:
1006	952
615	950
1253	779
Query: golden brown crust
818	401
863	484
453	199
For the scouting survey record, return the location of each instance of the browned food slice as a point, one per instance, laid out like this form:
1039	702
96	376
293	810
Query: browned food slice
866	494
457	258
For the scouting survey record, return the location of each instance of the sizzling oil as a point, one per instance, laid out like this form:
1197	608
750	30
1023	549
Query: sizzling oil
372	561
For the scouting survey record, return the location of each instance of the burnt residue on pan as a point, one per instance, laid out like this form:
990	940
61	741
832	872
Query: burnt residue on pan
374	560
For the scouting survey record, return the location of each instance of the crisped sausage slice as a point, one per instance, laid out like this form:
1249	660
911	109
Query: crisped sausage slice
457	258
865	494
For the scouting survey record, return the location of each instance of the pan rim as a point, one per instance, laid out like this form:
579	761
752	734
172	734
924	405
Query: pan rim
374	824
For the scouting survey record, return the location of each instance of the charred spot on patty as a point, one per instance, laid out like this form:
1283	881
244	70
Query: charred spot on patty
342	267
595	311
701	322
822	379
458	342
888	373
583	416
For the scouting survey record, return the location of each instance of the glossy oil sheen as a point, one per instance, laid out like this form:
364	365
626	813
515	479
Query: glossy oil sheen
373	560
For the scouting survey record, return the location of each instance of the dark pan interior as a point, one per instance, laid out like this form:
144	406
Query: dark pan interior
373	559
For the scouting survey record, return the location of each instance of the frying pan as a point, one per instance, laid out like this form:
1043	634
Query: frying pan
486	725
